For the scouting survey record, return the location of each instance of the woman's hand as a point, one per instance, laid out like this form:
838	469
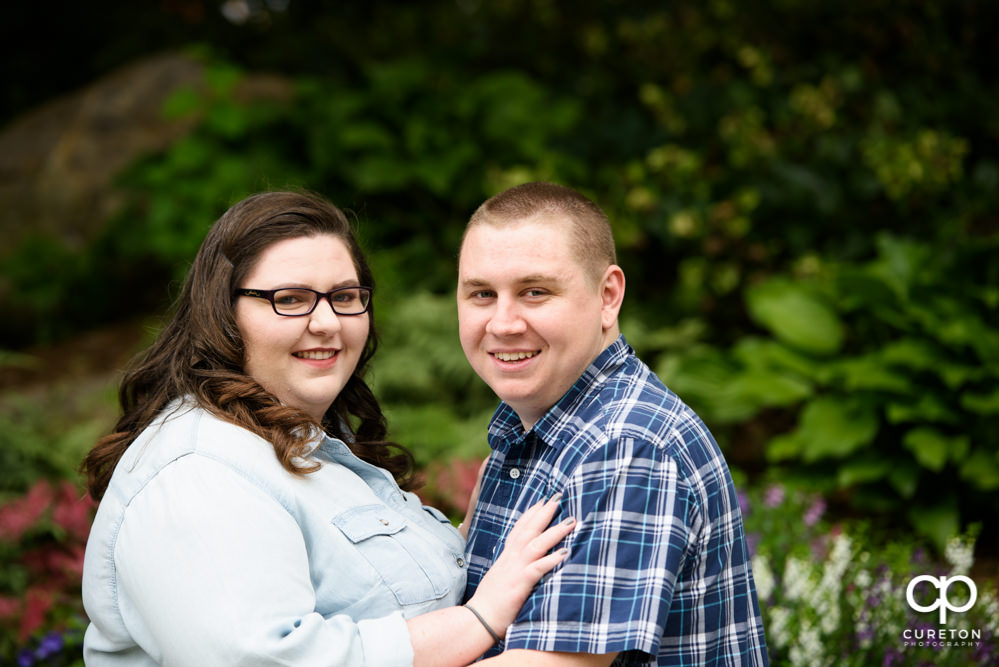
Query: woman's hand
524	560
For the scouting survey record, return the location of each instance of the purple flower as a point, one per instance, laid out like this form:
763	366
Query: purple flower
773	496
752	542
891	656
743	501
815	512
25	657
50	645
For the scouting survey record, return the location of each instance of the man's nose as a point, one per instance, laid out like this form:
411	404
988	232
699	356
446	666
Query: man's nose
507	318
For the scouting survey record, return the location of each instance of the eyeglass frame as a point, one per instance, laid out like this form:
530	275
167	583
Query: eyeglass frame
268	295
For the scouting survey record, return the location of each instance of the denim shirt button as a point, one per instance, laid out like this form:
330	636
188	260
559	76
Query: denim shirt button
460	561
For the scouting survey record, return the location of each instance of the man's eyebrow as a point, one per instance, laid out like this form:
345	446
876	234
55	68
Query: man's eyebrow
525	280
538	278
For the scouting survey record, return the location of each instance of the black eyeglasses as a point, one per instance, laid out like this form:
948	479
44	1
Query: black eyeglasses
301	301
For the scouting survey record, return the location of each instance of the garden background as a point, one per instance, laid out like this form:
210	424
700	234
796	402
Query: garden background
805	197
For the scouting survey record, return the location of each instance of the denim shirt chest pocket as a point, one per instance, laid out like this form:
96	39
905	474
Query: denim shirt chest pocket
397	551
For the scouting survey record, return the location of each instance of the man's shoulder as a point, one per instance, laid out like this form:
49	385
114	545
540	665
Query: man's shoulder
634	400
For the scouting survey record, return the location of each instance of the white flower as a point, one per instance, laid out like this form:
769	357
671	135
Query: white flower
777	629
764	577
960	553
796	578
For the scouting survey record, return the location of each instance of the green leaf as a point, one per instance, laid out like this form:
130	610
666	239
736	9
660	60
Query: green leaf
862	471
982	470
770	355
901	262
769	389
929	446
904	478
910	353
784	447
983	404
796	315
869	373
938	522
366	136
183	101
928	408
833	427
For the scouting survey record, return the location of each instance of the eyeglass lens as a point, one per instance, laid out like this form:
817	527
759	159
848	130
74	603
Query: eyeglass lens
345	301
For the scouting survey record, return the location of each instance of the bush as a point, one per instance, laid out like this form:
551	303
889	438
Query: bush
888	372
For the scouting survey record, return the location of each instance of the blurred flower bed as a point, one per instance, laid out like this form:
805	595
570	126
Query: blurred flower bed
43	535
835	592
832	592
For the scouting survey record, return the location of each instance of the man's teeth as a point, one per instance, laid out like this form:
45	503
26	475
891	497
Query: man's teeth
316	354
513	356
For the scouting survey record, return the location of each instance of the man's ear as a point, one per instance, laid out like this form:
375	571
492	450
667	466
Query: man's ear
611	295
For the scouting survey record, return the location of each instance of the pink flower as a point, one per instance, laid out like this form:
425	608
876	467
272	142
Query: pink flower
815	512
773	496
10	607
450	485
39	601
73	511
17	516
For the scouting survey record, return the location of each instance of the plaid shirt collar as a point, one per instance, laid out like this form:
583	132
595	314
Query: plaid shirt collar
507	431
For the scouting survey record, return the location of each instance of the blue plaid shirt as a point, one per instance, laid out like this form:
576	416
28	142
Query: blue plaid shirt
658	568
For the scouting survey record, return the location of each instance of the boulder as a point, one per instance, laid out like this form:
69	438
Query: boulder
58	163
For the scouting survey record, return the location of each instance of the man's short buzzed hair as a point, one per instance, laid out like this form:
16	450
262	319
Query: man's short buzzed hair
592	240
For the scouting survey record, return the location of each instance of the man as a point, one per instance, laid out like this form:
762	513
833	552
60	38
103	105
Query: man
658	572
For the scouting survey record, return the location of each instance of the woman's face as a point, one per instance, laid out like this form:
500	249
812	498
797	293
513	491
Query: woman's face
304	361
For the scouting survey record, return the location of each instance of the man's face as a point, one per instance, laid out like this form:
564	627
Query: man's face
530	319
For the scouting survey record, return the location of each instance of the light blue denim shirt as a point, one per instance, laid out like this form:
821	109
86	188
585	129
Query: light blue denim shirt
205	551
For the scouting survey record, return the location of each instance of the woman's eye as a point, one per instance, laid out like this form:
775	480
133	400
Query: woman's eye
345	297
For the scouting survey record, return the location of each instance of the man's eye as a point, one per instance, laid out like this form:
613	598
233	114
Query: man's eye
535	292
483	294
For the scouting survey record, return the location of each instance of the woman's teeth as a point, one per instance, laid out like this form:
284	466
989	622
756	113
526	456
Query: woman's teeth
316	354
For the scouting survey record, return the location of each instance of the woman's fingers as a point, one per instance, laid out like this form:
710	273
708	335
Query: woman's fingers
536	518
554	535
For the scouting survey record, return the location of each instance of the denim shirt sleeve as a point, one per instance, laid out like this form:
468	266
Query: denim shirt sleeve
243	594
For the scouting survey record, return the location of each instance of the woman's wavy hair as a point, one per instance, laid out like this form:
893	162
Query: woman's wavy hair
200	352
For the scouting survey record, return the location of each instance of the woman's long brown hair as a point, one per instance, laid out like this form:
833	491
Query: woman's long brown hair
200	352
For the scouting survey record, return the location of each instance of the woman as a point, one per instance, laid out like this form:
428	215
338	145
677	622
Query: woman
251	511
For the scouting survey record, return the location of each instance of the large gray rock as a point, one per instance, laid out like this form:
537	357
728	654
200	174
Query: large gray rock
58	162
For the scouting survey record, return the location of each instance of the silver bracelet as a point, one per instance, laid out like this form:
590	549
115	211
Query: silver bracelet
492	634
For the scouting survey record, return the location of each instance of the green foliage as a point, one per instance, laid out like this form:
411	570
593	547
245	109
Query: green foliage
436	405
891	381
804	207
46	438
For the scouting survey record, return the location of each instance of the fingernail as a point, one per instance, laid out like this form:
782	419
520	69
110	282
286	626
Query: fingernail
568	521
557	497
563	551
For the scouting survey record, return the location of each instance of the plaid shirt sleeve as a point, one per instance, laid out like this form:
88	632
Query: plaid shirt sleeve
637	518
